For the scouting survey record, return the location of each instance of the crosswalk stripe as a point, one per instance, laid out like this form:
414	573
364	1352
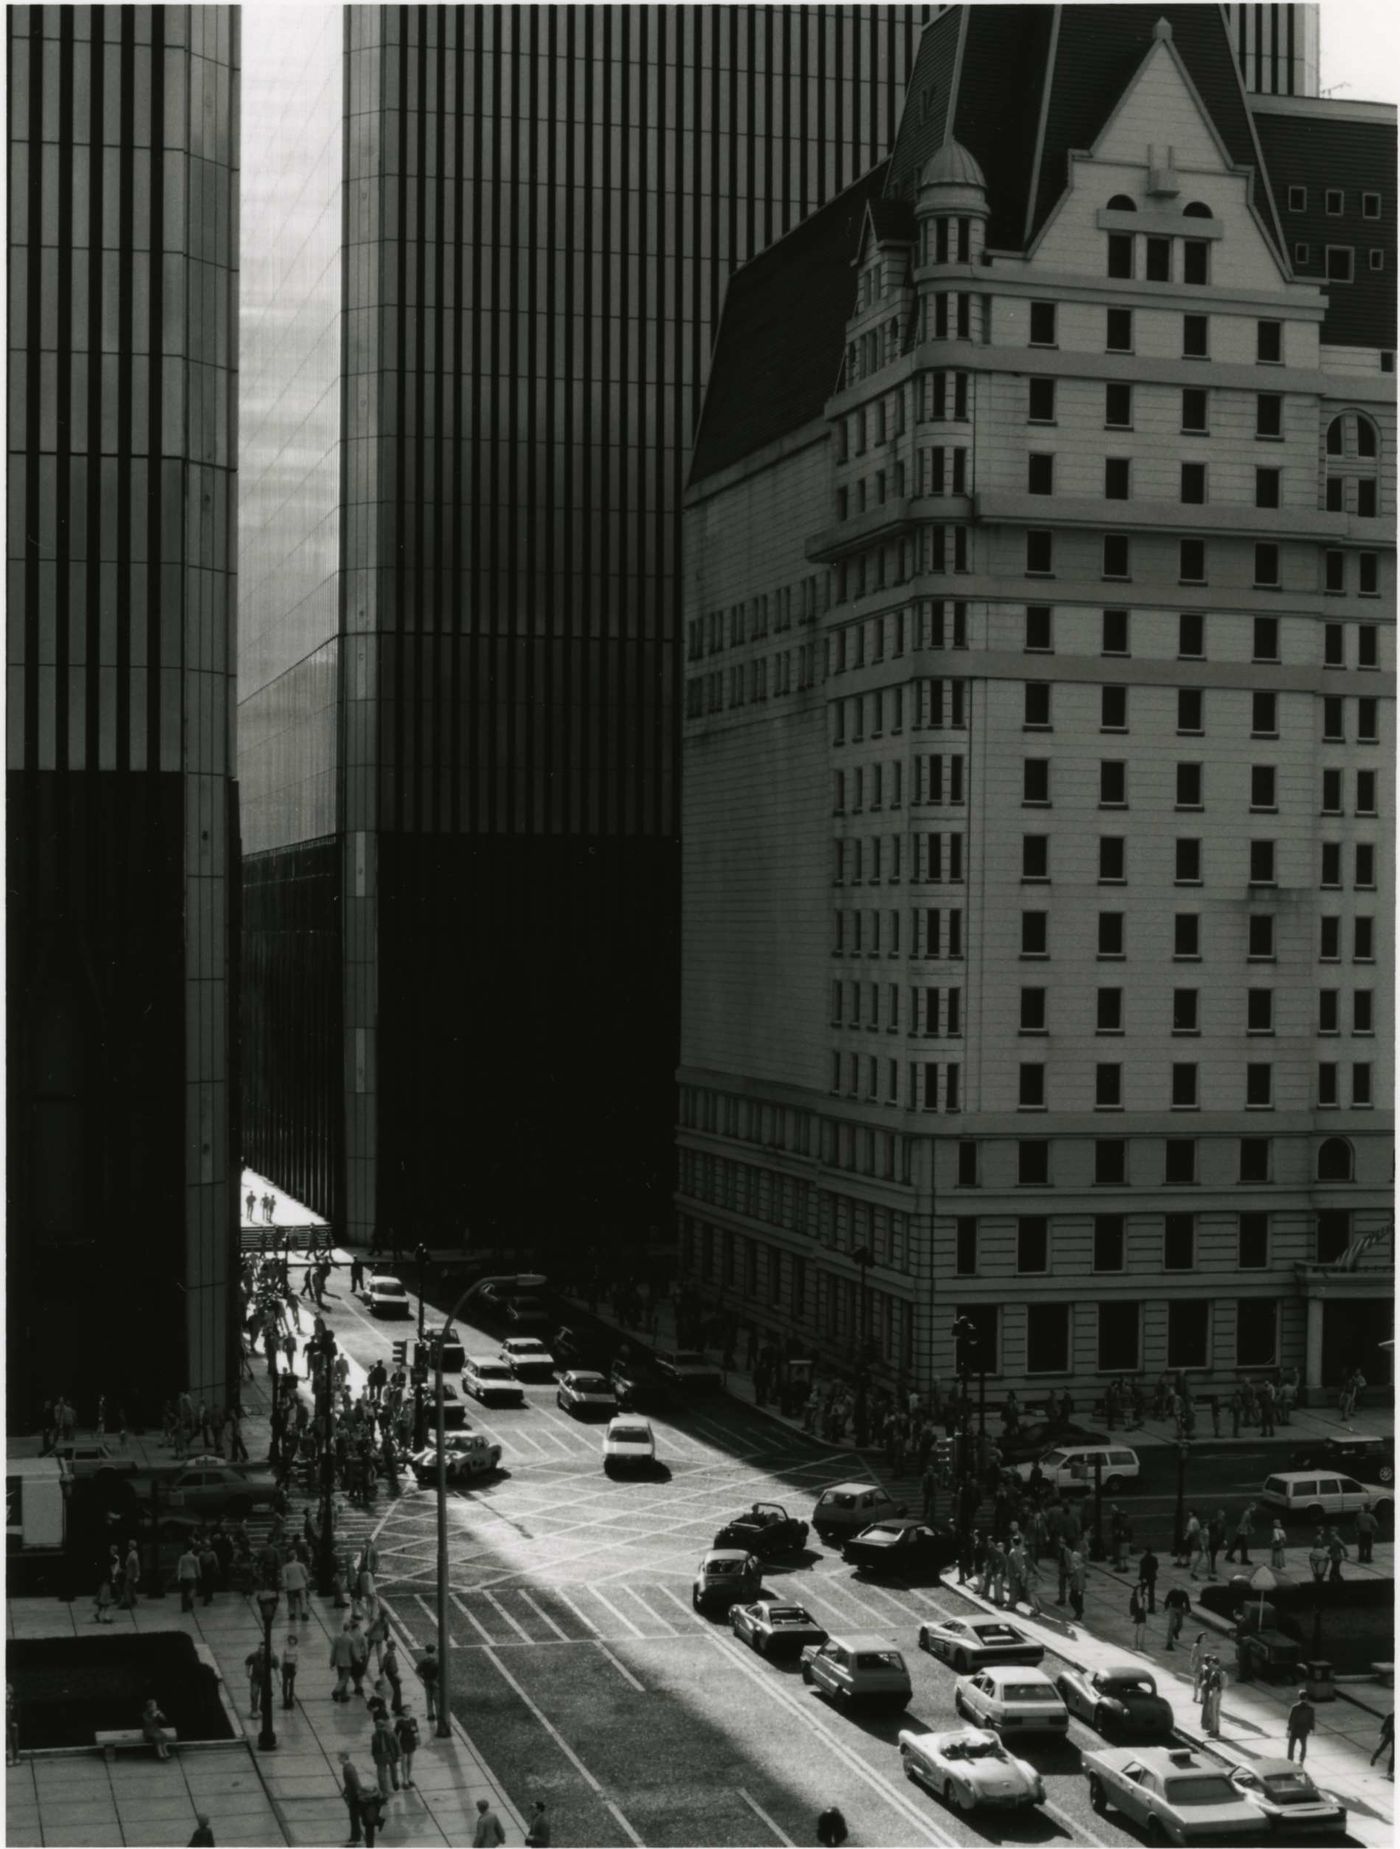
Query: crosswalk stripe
620	1667
621	1617
514	1624
542	1613
588	1623
655	1617
471	1619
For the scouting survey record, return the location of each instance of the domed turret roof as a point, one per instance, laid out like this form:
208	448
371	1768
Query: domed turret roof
952	165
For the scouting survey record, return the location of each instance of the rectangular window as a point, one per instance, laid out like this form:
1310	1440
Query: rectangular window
1111	936
1331	875
1033	1016
1180	1164
967	1163
1179	1242
1195	337
1264	715
1110	1162
1259	1086
1159	259
1047	1338
1119	335
1118	407
1119	1325
1186	1012
1109	1242
1329	940
1365	874
1268	343
1117	478
1120	256
1033	1164
1368	574
1297	198
1108	1087
1113	784
1035	934
1195	266
1331	792
1266	565
1333	709
1363	949
1327	1093
1261	938
1253	1241
1333	645
967	1247
1266	634
1302	255
1032	1244
1188	862
1113	709
1109	1012
1191	554
1262	870
1367	646
1193	483
1334	201
1362	1016
1039	631
1188	1334
1334	572
1370	205
1035	857
1035	781
1040	473
1263	787
1040	408
1256	1332
1115	634
1268	414
1193	410
1040	553
1184	1091
1042	324
1329	1014
1266	487
1115	555
1191	635
1255	1154
1259	1011
1186	937
1031	1089
1341	263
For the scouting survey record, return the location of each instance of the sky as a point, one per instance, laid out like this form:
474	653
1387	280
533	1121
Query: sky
1360	47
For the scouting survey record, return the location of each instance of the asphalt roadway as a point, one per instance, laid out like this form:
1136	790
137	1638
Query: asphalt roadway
584	1676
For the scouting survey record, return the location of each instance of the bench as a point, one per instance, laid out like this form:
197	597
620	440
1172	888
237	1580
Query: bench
123	1739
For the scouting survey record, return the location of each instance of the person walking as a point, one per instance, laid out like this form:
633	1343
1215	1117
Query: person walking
1147	1574
1366	1526
384	1750
1302	1718
342	1658
488	1831
291	1656
1244	1531
537	1836
250	1202
253	1663
1199	1658
389	1668
1277	1542
1078	1577
1137	1612
1387	1739
105	1596
1193	1544
429	1670
1336	1554
359	1656
352	1789
1215	1540
131	1576
1177	1605
406	1727
187	1575
1214	1686
294	1583
209	1570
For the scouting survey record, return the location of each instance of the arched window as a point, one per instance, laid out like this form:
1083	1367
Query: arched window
1334	1160
1353	465
1197	210
1352	434
1120	202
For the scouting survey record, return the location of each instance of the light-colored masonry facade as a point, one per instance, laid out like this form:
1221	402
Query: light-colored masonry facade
1038	814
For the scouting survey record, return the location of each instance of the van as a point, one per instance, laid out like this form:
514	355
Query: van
1074	1467
36	1504
862	1667
1314	1495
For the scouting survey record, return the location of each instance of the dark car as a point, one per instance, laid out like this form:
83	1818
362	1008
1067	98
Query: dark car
1033	1441
904	1546
1355	1454
639	1384
766	1530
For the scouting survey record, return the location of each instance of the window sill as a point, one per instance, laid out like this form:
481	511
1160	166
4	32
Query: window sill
1109	1033
1190	808
1193	584
1186	1033
1183	1107
1186	884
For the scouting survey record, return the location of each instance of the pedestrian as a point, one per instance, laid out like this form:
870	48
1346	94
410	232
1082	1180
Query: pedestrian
537	1836
1244	1531
1387	1739
406	1727
1236	1412
359	1656
1366	1526
102	1603
831	1828
357	1275
1199	1658
187	1574
203	1837
389	1667
208	1569
250	1203
342	1657
1137	1612
294	1583
377	1636
291	1655
384	1750
1147	1573
352	1789
1078	1577
1215	1540
253	1664
155	1728
1302	1718
1178	1609
1336	1554
1214	1687
131	1576
488	1829
428	1671
1193	1544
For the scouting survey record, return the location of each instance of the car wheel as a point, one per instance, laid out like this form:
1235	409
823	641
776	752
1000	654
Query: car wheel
695	1600
1113	1485
807	1675
1386	1473
1315	1513
1098	1797
967	1800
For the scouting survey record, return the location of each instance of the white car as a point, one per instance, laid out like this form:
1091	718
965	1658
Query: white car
583	1392
527	1357
1012	1698
969	1768
1316	1494
1172	1794
383	1295
629	1444
465	1454
1288	1797
971	1644
1083	1467
491	1382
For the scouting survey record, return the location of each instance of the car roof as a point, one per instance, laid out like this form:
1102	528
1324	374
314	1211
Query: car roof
1128	1672
854	1489
1271	1768
725	1553
942	1736
863	1640
1015	1672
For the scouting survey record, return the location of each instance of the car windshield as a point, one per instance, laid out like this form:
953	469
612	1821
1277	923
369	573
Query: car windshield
993	1633
1055	1458
1290	1788
882	1533
389	1287
973	1749
1028	1691
879	1659
630	1434
1128	1685
526	1345
840	1502
590	1383
788	1614
724	1566
1201	1788
493	1370
687	1357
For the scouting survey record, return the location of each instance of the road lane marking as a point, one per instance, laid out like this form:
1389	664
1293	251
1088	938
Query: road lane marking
540	1612
620	1667
623	1821
621	1616
564	1599
470	1619
656	1618
759	1811
512	1622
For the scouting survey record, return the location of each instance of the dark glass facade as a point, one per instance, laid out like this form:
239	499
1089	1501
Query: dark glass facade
541	209
121	817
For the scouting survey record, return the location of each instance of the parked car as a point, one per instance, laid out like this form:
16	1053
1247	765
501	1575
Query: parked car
1072	1467
628	1444
1315	1496
1120	1699
1042	1435
846	1508
1288	1799
218	1489
468	1454
91	1460
638	1382
687	1367
1011	1698
973	1644
726	1576
491	1381
454	1412
775	1628
454	1356
583	1393
969	1768
383	1295
1366	1456
1174	1793
527	1357
766	1530
902	1545
859	1667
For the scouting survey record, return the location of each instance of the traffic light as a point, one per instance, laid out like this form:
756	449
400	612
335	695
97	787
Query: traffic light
401	1353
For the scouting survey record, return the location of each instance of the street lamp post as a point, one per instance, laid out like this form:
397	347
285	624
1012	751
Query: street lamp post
420	1255
444	1718
268	1597
1183	1445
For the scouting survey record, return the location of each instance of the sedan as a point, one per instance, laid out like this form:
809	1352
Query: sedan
1288	1797
974	1644
724	1577
904	1546
385	1296
1011	1699
465	1454
970	1768
491	1382
527	1357
1121	1700
1172	1793
630	1444
773	1628
584	1393
687	1367
219	1489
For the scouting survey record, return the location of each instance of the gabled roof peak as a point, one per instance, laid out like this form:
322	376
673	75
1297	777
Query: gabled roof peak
1163	31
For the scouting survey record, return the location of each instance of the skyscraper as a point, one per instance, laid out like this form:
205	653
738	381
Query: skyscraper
1038	759
121	818
496	241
